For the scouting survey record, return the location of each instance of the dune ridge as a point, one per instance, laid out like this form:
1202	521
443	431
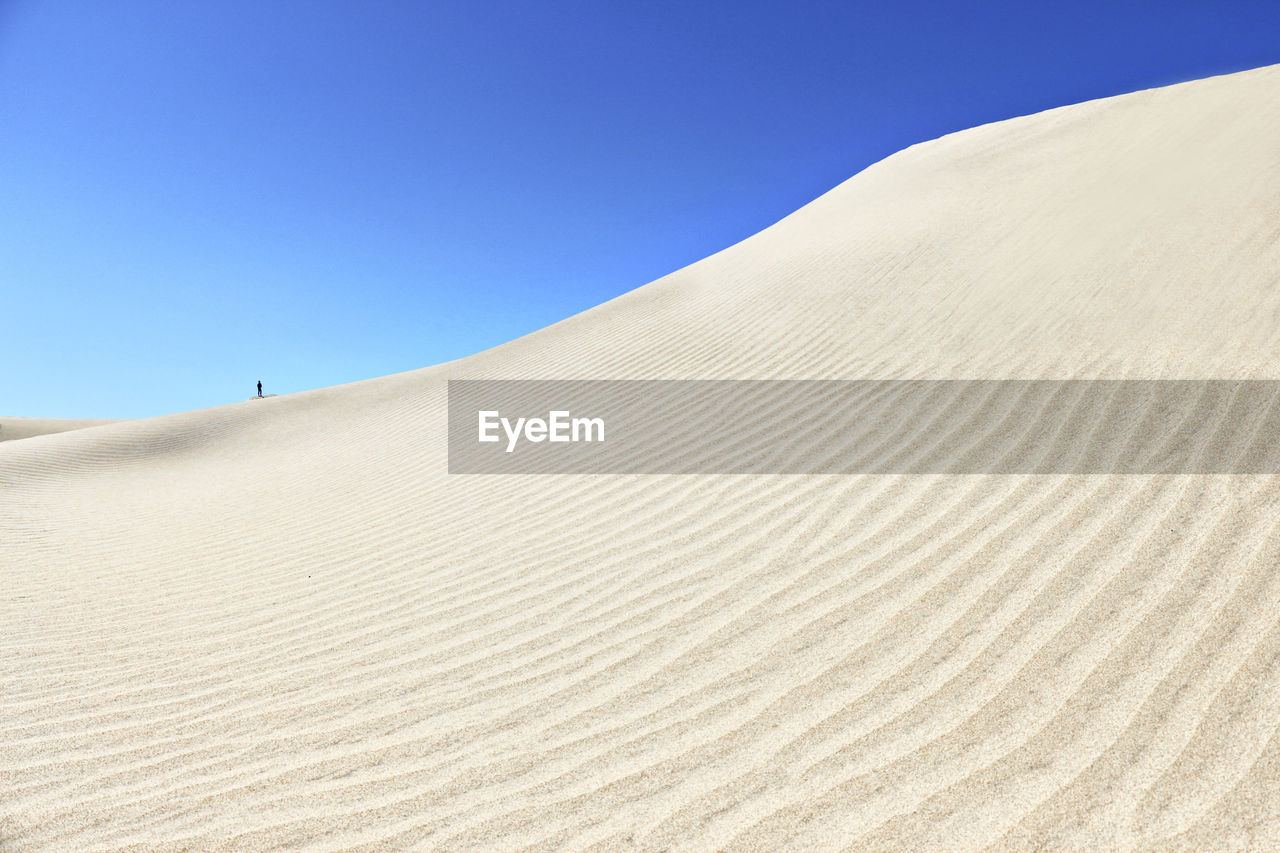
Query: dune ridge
281	623
12	429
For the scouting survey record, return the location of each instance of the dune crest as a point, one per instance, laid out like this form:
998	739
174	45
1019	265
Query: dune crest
286	625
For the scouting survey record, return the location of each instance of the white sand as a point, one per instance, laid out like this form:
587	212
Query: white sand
281	623
12	429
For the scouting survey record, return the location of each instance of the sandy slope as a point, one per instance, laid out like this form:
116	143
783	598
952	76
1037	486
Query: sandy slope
15	428
281	623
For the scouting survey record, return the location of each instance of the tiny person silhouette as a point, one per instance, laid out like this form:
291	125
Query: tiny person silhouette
259	387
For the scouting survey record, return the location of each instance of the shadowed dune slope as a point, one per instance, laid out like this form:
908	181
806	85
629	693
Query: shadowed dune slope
281	623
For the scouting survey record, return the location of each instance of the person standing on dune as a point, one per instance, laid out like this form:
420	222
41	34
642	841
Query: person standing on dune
259	387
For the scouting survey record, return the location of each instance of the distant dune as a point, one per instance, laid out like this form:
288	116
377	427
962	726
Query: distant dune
286	625
12	428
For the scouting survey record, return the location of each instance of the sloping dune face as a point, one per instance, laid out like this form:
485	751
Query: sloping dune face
12	429
282	623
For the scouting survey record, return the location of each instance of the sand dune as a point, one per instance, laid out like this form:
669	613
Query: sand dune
15	428
281	623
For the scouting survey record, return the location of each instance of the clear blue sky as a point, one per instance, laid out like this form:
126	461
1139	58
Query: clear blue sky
195	195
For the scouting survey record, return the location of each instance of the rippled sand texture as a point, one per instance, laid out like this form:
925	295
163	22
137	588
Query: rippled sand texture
280	623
